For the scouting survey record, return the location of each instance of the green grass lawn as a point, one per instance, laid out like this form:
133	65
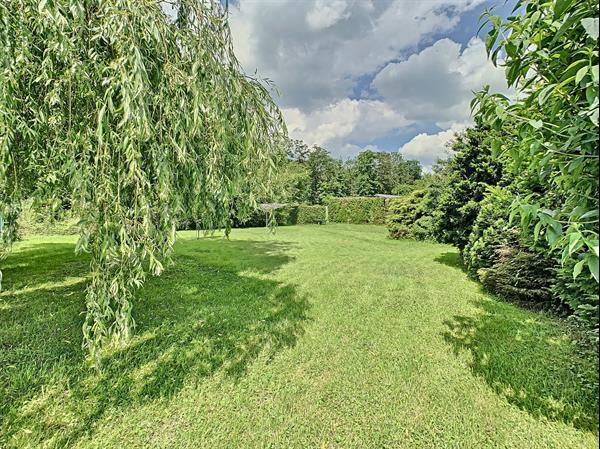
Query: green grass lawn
315	337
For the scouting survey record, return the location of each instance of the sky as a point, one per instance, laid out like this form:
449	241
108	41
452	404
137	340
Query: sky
386	75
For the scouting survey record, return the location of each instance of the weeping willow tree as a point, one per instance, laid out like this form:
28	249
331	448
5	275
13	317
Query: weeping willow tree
131	118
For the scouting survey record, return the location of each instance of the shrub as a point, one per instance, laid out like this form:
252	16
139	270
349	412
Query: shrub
423	228
358	210
579	294
410	216
520	275
472	169
490	231
504	261
515	267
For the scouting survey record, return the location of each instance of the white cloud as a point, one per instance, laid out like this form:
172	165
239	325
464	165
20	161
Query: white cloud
314	50
321	52
324	14
428	148
436	84
343	121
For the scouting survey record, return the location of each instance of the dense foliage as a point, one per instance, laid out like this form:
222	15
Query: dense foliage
131	118
286	215
491	231
309	175
410	216
312	214
357	210
535	157
470	172
550	52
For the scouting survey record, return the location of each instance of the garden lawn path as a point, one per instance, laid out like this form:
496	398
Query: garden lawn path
315	337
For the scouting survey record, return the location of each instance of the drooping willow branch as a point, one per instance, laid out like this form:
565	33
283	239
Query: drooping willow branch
130	118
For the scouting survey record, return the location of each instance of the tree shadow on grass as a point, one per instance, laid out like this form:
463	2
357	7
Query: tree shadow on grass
451	259
531	361
215	311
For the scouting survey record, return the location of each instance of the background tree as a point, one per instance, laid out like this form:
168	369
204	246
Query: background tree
133	120
297	150
326	176
366	174
394	171
470	171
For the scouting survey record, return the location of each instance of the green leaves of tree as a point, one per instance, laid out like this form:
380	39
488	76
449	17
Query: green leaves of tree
131	120
551	57
590	24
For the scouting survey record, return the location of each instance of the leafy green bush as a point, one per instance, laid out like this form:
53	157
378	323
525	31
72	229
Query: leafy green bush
490	231
423	228
580	294
410	216
503	260
311	214
550	55
358	210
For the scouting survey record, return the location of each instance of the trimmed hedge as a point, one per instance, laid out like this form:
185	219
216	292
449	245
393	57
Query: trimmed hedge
357	210
311	214
288	215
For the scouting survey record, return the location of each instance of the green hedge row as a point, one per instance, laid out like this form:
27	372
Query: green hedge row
311	214
288	215
358	210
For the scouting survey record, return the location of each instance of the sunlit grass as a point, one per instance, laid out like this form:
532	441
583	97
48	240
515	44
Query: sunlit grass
318	336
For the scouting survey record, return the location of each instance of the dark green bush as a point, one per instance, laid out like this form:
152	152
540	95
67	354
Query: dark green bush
358	210
423	227
470	172
520	275
503	260
491	231
410	216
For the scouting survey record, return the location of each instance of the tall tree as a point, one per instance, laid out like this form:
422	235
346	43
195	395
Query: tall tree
470	172
365	171
326	175
132	118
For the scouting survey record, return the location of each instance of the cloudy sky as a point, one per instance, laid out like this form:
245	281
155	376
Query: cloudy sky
380	74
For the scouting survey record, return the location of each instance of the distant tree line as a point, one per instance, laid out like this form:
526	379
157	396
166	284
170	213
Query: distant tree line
310	174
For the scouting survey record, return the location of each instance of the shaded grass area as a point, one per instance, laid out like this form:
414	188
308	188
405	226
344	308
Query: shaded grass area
320	336
506	343
199	318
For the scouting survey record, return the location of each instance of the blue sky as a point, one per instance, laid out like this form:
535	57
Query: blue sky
391	75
